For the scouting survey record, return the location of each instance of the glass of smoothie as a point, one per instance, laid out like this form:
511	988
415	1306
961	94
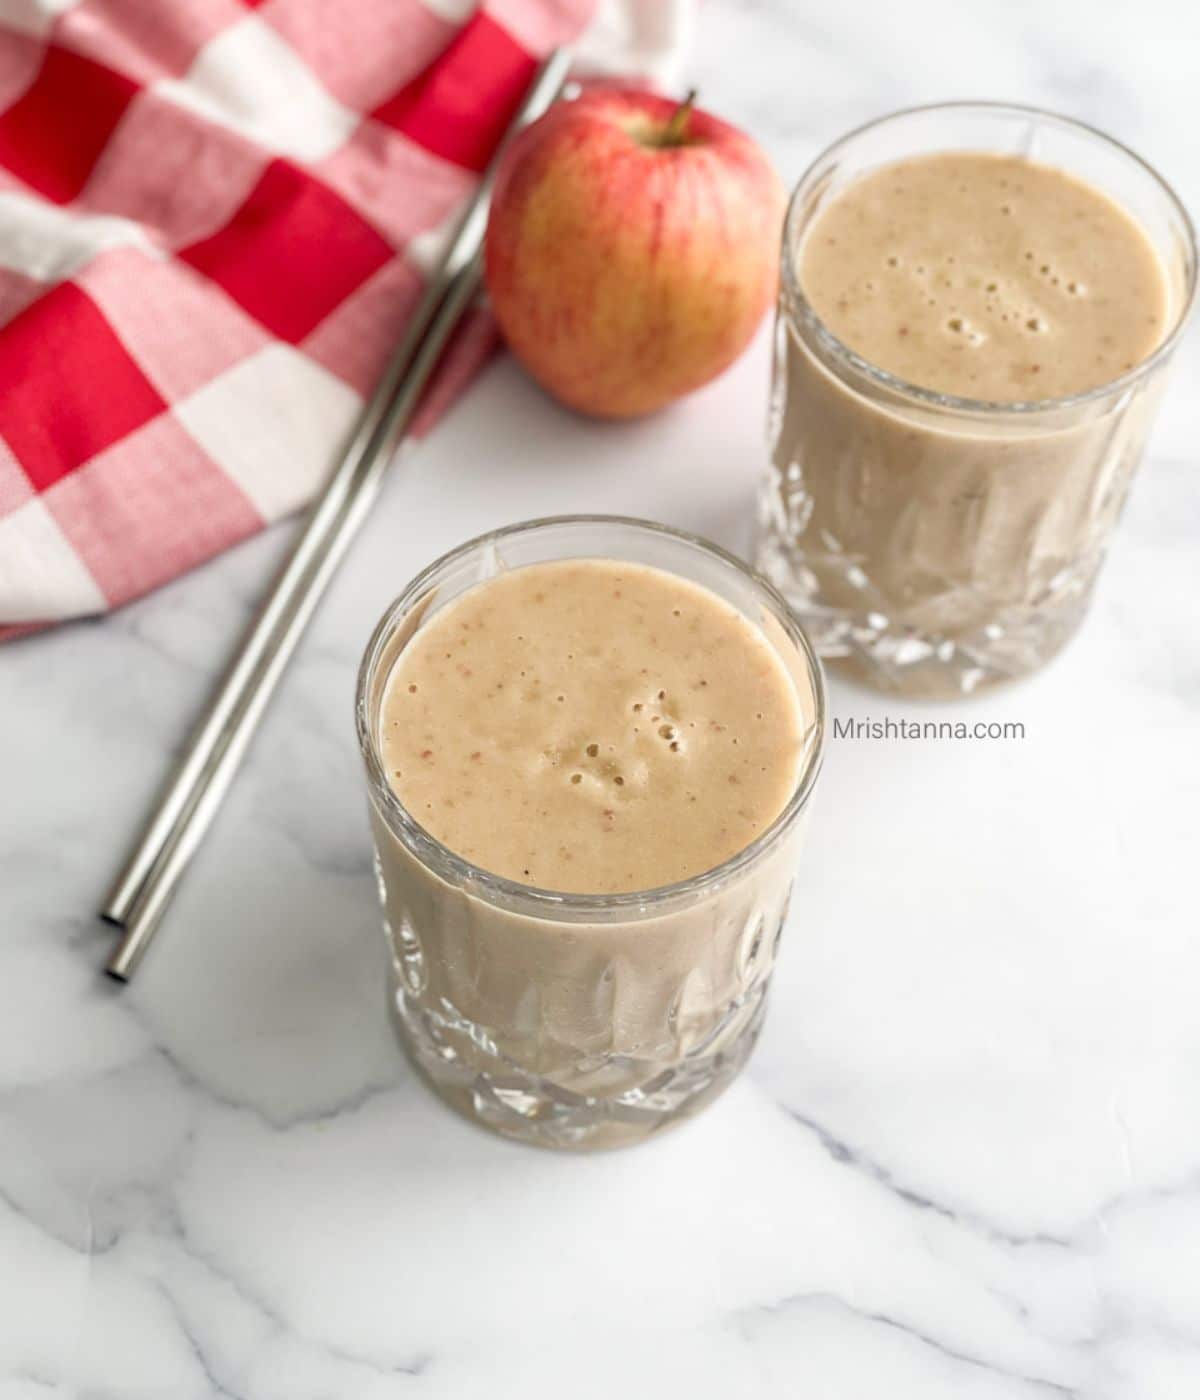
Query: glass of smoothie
590	746
978	303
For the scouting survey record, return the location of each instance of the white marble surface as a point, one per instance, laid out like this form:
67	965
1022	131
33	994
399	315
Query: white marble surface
965	1161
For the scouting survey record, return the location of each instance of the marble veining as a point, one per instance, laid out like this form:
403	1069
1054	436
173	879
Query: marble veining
964	1163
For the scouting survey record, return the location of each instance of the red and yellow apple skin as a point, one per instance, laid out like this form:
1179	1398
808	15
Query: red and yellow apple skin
629	262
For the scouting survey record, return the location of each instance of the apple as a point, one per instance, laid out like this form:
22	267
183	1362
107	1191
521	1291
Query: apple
632	249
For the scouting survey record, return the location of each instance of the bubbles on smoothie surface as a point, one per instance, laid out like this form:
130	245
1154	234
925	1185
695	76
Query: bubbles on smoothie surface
959	276
566	727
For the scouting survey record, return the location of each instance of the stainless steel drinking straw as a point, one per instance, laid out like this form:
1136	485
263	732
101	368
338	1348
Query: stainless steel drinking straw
210	761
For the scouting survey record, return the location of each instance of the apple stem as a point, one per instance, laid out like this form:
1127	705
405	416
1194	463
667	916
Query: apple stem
673	136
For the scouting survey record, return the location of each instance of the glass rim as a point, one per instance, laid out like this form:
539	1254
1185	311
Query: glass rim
799	305
556	904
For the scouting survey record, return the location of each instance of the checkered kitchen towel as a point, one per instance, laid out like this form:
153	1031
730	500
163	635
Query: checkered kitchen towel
214	216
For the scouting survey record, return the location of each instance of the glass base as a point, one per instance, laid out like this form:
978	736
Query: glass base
900	659
518	1104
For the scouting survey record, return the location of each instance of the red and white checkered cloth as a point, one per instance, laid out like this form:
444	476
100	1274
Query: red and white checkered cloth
214	217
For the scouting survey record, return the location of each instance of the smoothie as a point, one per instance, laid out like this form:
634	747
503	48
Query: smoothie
593	730
939	547
592	727
986	276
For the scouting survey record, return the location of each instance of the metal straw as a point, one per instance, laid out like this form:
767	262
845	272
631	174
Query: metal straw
188	804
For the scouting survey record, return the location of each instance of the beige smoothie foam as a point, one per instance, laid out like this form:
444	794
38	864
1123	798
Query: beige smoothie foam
591	726
986	276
